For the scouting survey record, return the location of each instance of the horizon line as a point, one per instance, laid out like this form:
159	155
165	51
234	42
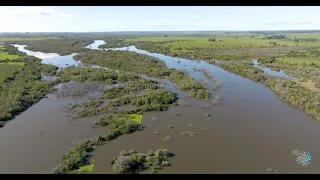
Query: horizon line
161	31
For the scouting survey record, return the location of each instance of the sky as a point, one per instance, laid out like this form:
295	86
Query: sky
157	18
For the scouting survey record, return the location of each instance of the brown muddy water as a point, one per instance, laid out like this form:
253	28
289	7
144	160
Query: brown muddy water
35	140
235	139
251	130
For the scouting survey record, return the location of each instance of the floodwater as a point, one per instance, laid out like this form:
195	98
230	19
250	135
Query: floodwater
56	59
233	140
251	130
51	58
96	44
35	140
269	71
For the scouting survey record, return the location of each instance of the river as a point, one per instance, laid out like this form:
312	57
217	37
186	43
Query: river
244	135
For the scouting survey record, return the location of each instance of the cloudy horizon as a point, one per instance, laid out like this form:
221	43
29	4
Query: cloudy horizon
157	18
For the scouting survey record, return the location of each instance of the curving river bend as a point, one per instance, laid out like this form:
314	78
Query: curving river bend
242	136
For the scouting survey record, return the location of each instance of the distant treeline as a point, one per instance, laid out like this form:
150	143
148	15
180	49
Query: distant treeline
295	39
306	40
275	37
284	31
62	46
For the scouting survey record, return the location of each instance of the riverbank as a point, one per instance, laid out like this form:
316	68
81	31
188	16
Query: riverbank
23	87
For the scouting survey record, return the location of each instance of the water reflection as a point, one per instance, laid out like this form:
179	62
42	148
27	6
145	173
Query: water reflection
96	44
51	58
37	54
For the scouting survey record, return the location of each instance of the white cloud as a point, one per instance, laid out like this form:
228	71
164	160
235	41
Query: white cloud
109	13
34	11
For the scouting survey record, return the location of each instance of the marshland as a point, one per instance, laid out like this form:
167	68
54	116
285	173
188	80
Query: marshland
160	103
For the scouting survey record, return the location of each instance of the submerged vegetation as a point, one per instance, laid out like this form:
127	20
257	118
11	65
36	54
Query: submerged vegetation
143	64
79	74
118	121
123	91
156	100
130	87
77	89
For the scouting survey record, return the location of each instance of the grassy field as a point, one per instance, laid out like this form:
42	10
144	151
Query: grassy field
231	41
27	39
6	55
8	69
304	35
310	85
86	168
293	60
136	117
232	46
2	47
224	47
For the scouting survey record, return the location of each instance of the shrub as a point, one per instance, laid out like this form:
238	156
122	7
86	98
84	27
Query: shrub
134	162
123	165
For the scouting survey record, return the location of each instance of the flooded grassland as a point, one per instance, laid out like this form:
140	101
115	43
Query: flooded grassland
243	128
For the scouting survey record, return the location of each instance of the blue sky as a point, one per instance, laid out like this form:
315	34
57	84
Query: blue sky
157	18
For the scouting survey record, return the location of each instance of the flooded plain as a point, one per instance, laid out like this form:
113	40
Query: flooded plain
251	130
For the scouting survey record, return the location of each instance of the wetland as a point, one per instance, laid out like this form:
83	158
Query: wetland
212	117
